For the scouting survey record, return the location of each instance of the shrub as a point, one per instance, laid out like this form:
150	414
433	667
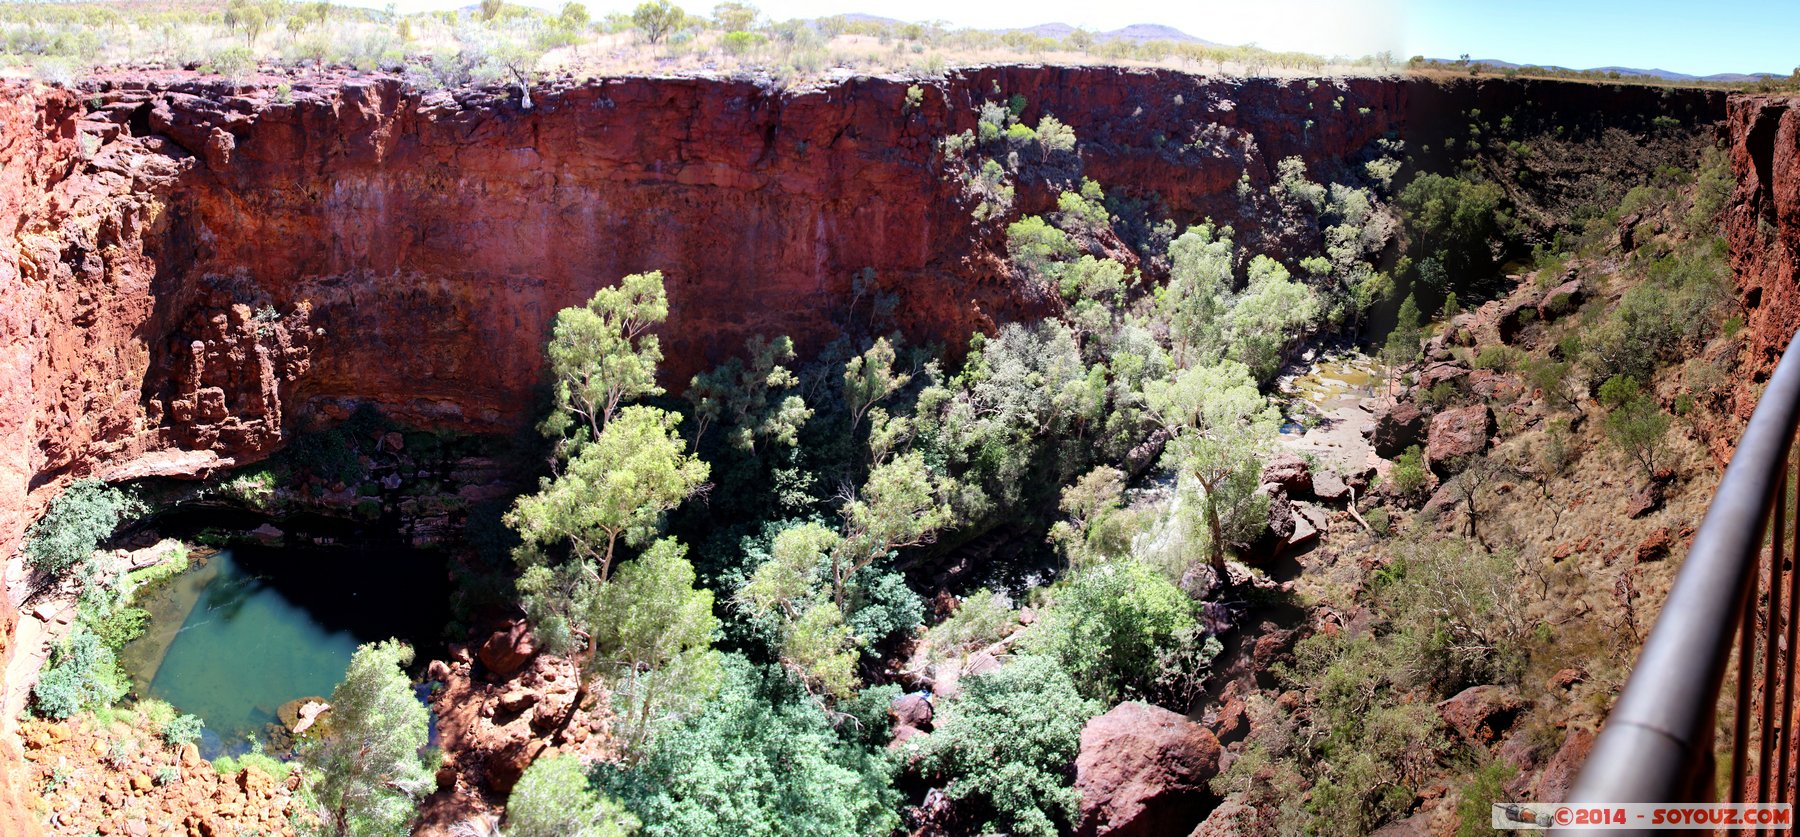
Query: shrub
554	799
761	759
979	620
82	674
253	488
1007	746
1408	476
77	520
167	774
1497	358
1109	626
180	730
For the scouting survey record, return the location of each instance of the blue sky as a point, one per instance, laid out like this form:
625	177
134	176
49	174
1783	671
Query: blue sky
1688	36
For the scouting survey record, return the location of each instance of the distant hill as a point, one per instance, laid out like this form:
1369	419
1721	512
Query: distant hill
1136	33
1665	75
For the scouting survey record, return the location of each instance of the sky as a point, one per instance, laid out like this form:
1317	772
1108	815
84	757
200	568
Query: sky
1698	37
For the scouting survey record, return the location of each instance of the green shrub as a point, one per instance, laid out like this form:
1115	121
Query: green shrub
1498	358
761	759
1476	798
85	513
180	730
554	799
256	758
1110	626
1007	745
82	674
1408	476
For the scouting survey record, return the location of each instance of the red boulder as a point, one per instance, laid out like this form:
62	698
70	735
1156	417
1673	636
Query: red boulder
1143	770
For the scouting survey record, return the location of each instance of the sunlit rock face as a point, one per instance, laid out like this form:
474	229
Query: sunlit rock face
1762	227
190	270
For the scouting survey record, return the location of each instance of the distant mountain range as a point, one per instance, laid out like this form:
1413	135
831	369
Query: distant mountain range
1136	33
1665	75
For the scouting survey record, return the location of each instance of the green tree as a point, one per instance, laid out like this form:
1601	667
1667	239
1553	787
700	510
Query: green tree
657	18
734	16
746	394
364	771
760	759
653	634
869	378
1007	746
574	17
555	799
1038	249
1635	423
1200	276
1090	504
815	644
617	487
1267	317
901	504
1220	422
1457	219
602	355
1403	342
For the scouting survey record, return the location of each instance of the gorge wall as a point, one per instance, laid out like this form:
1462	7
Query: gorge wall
1762	228
191	270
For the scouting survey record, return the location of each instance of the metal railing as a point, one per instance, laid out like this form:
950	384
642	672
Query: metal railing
1658	743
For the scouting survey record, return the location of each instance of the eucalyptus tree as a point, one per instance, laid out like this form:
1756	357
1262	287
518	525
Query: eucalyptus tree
1219	421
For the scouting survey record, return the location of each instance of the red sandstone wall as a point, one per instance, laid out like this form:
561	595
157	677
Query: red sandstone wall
416	246
1762	225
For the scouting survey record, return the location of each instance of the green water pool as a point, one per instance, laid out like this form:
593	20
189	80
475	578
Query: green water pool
244	631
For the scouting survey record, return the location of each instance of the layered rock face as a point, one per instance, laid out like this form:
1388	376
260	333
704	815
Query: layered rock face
1762	227
189	270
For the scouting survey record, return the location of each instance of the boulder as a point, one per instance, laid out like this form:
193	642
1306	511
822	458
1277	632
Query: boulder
309	715
1280	528
1646	500
1481	714
911	710
1143	770
508	649
1291	473
517	700
1327	485
1397	426
1559	774
1514	315
1654	547
1233	818
1442	373
1561	300
1458	433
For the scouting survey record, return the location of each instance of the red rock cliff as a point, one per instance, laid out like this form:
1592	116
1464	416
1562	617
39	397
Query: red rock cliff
194	268
1762	226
